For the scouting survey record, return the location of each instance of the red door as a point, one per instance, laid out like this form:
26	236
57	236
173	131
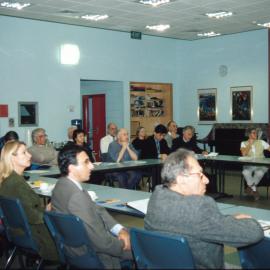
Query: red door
94	120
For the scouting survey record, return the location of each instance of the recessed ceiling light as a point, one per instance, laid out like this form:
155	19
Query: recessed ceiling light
95	17
264	24
219	14
159	27
208	34
15	5
154	3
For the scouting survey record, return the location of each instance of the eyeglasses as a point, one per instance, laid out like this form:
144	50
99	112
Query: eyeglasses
200	174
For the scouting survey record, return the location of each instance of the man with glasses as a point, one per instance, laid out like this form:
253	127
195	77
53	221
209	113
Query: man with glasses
253	174
179	206
42	152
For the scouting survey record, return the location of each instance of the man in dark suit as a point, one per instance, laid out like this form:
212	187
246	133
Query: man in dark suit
110	240
157	146
187	141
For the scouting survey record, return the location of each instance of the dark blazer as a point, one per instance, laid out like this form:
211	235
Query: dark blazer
151	150
191	145
15	186
68	198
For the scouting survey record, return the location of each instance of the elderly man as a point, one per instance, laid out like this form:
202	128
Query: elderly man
253	174
121	150
105	141
41	151
180	207
110	239
172	133
187	141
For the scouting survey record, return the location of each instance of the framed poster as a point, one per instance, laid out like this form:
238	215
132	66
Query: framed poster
27	114
241	103
207	108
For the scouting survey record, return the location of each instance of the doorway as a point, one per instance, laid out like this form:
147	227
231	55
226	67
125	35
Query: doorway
94	120
102	103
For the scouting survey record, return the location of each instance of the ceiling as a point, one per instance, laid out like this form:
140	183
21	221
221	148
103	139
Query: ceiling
186	17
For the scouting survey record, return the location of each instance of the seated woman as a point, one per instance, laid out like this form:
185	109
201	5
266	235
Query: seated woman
79	139
14	159
139	143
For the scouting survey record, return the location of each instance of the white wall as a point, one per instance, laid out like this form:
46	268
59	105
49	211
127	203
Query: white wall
113	93
245	55
30	68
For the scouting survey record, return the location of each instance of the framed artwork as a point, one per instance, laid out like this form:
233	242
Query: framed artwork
241	103
207	109
27	114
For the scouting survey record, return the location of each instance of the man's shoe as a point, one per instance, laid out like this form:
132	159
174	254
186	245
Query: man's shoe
256	195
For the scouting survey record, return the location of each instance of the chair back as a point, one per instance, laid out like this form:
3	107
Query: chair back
155	250
103	157
16	225
255	256
72	242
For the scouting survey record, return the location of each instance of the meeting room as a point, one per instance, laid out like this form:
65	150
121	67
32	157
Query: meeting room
134	134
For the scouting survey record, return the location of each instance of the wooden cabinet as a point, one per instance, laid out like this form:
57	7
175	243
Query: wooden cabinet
150	104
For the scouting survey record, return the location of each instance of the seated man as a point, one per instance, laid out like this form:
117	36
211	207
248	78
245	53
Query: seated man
187	141
253	174
156	145
70	131
105	141
180	207
122	150
172	133
41	151
110	240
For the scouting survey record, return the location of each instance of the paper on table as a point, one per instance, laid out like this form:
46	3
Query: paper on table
245	158
97	163
134	162
93	195
212	154
266	227
37	171
140	205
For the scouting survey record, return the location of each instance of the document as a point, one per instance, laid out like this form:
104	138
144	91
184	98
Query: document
140	205
245	158
212	154
93	195
266	227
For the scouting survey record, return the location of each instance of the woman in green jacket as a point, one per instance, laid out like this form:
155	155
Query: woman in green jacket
14	159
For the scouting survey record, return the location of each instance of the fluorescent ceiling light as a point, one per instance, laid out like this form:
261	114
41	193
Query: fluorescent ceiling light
219	14
15	5
160	27
208	34
264	24
69	54
154	3
95	17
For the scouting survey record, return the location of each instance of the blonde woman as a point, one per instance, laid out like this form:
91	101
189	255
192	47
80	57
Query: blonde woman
14	159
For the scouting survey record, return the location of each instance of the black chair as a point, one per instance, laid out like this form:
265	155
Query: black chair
18	231
155	250
72	242
255	256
